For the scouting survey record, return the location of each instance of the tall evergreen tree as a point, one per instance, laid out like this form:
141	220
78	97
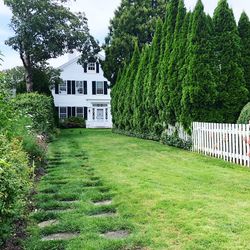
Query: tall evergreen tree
244	32
176	62
162	95
133	19
199	88
150	83
138	92
127	114
230	78
117	100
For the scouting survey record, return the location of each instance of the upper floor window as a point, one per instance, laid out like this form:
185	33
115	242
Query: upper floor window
100	88
91	66
63	88
79	87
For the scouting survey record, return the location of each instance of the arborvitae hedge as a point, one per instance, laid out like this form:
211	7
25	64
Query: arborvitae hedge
232	93
244	32
199	87
195	69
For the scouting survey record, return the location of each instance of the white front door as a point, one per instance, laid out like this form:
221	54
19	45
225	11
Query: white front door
99	114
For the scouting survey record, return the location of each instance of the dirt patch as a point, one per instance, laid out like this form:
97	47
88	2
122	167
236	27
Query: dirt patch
60	236
48	223
119	234
103	203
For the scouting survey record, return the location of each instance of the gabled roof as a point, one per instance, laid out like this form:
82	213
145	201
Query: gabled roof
75	59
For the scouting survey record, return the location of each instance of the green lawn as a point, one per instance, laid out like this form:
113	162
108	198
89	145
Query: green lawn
165	197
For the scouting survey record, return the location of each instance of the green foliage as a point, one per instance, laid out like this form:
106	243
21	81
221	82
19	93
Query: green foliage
150	83
73	122
15	183
138	92
199	86
40	109
43	39
175	141
128	87
44	78
162	93
133	20
244	32
244	117
232	92
176	64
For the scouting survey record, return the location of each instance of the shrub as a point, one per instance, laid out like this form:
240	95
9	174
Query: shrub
244	117
73	122
15	183
175	141
40	108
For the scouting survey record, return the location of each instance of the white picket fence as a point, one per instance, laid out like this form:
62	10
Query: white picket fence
230	142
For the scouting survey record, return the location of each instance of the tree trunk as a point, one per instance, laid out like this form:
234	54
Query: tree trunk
29	80
28	68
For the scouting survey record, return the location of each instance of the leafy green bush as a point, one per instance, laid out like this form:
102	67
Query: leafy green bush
244	117
175	141
73	122
41	110
15	183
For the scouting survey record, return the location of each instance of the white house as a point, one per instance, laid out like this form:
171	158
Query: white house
84	93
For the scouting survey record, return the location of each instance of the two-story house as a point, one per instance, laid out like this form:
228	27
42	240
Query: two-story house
84	93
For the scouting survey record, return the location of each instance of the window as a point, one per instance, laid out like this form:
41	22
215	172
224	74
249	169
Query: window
93	114
79	87
99	88
63	88
79	111
63	112
91	66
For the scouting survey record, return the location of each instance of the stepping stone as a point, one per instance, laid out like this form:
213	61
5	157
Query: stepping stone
60	210
70	202
48	223
60	236
103	215
103	203
119	234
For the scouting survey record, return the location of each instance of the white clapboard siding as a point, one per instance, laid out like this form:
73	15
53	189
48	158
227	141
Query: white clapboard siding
230	142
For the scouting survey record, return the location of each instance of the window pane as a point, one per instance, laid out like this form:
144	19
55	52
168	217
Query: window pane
91	66
79	87
79	112
63	87
100	88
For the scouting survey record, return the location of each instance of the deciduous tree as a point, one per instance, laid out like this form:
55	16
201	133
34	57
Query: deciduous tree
46	29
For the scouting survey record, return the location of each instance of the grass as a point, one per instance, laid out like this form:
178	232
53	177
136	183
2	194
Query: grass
165	197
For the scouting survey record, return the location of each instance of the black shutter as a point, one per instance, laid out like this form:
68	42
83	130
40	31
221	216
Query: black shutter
73	111
85	88
69	112
105	88
97	67
85	113
69	87
73	87
85	66
57	89
93	88
57	111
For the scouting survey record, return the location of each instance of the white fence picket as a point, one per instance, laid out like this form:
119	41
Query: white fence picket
230	142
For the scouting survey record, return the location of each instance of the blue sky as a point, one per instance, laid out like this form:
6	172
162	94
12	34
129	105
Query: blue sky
99	13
